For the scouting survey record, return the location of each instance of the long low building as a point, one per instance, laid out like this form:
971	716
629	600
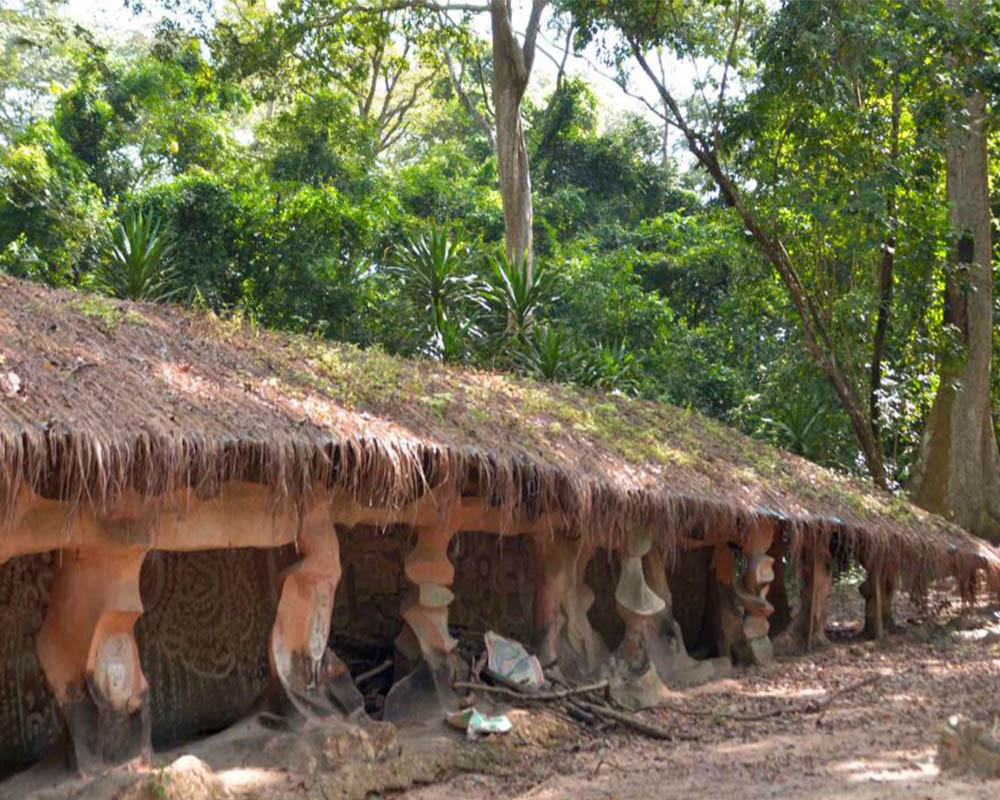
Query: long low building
198	517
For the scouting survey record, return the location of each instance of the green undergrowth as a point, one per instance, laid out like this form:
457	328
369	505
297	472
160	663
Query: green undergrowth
108	311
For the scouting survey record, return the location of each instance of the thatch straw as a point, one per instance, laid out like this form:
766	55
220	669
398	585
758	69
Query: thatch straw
118	395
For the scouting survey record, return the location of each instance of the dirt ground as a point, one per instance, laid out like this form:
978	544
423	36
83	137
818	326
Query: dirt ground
874	742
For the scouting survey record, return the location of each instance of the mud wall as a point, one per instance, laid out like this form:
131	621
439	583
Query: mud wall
203	635
366	608
494	586
689	574
202	643
29	721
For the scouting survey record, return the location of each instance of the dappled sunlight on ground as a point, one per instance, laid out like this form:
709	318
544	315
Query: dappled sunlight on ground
894	766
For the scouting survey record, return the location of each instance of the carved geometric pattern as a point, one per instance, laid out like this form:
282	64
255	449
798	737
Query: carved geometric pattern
689	577
29	719
367	607
494	585
203	635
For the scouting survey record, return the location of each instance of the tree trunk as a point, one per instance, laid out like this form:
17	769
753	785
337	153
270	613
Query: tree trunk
886	267
958	472
511	70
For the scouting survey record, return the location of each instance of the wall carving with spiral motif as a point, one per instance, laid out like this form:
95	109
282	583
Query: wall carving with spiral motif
29	721
203	635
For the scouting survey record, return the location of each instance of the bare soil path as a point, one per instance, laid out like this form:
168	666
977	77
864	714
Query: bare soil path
877	742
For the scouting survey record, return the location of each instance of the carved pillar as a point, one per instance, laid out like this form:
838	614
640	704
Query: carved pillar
666	647
311	680
88	653
817	580
562	599
808	628
725	613
426	640
637	683
781	619
755	644
878	589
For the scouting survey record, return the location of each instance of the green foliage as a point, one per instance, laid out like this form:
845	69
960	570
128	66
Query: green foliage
550	356
140	264
517	291
52	218
804	424
39	49
288	152
320	141
434	271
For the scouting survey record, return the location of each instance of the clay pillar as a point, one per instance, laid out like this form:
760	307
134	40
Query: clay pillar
817	580
87	650
751	592
562	599
808	629
311	680
666	647
878	589
426	640
637	683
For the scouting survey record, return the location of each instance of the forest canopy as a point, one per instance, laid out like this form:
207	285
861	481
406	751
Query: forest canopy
771	212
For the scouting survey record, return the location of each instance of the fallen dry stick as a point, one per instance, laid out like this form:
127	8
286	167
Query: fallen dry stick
816	706
518	694
365	676
630	721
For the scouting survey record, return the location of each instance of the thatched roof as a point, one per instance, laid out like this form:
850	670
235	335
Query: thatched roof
98	395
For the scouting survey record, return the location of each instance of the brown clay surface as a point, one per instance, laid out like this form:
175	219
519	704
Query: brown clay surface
877	743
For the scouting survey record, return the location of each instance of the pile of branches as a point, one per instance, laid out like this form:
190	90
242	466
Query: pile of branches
592	705
589	705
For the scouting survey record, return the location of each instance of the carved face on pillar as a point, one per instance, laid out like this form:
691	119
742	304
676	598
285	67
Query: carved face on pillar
114	669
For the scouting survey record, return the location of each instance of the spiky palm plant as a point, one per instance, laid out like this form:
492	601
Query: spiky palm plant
140	264
613	367
803	425
519	292
434	271
550	356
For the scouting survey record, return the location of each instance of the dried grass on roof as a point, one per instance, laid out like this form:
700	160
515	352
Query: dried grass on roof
118	395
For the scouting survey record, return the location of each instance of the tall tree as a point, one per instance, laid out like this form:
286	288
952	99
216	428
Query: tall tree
958	473
351	40
512	63
722	32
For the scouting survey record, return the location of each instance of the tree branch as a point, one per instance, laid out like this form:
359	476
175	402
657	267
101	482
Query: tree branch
531	34
725	73
466	101
402	5
817	337
885	272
